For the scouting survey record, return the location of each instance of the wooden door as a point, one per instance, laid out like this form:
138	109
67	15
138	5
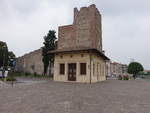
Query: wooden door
72	72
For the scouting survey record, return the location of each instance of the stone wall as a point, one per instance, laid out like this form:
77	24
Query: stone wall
86	30
31	62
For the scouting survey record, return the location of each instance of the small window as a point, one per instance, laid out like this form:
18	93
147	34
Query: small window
82	68
97	69
82	55
61	56
93	69
62	69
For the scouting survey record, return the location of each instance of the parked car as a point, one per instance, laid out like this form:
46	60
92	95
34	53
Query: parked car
1	74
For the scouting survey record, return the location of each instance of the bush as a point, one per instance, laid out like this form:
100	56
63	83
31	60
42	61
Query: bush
123	77
22	74
27	73
16	73
36	75
9	78
119	77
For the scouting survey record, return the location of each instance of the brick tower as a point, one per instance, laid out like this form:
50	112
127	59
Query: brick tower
85	32
79	56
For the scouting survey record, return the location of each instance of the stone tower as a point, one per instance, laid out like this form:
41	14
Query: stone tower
85	32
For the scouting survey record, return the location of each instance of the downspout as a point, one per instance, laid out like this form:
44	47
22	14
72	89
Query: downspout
90	67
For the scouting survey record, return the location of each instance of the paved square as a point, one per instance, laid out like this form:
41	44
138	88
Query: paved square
46	96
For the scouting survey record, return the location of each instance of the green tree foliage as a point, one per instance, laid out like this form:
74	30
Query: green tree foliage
49	44
141	73
11	57
148	73
3	54
134	68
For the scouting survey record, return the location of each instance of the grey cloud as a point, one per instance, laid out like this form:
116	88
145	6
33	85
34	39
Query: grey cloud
127	38
126	25
118	7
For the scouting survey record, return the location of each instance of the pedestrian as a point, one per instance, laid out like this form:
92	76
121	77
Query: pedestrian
6	73
3	72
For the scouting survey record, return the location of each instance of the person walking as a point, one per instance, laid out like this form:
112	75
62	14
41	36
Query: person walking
3	72
1	75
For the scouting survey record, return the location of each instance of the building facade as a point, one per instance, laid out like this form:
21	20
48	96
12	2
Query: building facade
115	69
30	63
79	56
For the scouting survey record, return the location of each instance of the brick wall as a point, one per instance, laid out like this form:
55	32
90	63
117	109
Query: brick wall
84	32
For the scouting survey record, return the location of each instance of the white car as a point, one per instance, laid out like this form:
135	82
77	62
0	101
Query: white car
6	74
1	74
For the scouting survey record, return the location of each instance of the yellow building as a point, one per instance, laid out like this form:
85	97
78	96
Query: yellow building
79	56
80	65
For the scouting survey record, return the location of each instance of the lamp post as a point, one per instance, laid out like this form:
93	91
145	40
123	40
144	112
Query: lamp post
12	69
4	61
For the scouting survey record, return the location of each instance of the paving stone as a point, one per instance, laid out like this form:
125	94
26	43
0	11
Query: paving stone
47	96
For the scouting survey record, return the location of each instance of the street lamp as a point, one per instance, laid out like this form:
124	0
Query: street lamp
4	56
3	71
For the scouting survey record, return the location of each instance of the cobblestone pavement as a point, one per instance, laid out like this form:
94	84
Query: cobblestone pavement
111	96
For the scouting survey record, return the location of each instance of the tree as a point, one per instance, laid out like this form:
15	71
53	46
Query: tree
11	55
49	44
148	73
134	68
11	59
3	54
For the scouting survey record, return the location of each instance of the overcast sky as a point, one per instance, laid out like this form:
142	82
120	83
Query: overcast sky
126	25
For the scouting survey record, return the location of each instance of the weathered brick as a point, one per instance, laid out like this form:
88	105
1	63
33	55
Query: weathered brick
84	32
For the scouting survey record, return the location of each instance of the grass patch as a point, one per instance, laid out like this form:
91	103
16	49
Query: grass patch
8	78
26	74
124	77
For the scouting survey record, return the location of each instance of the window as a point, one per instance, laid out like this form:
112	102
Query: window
100	70
82	68
61	56
104	70
71	56
62	69
93	69
97	69
82	55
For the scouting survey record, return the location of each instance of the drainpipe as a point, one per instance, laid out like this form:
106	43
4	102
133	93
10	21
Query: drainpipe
90	67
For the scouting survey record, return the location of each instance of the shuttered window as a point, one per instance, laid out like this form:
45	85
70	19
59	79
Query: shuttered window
82	68
62	69
93	69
